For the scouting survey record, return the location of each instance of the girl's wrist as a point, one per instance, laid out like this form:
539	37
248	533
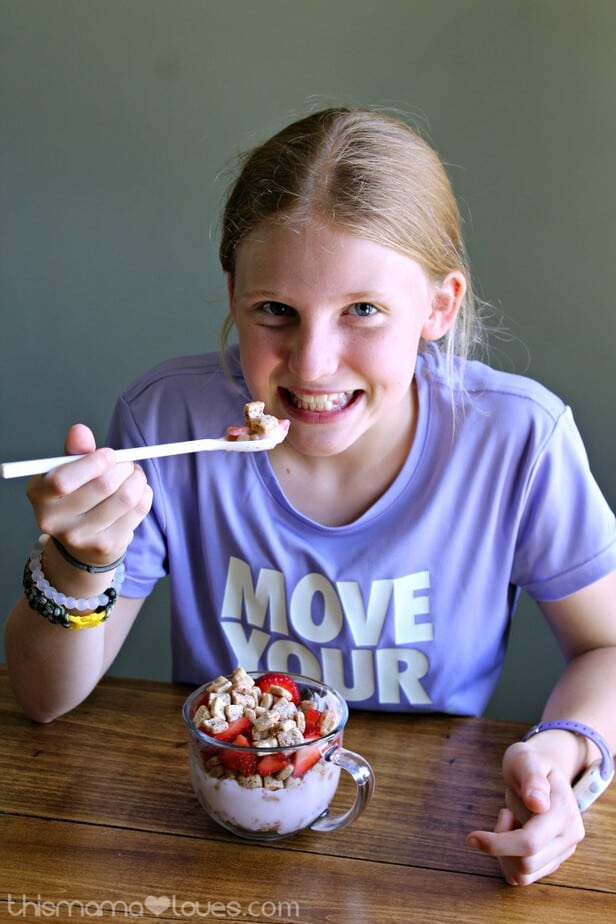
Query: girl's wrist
596	774
562	749
61	607
70	580
83	566
573	744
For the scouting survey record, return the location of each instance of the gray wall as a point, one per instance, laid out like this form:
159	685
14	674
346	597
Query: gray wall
118	117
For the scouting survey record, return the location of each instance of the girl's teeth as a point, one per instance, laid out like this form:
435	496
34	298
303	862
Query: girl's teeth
327	402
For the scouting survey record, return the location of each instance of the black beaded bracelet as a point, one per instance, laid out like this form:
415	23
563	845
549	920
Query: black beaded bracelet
56	612
91	569
59	608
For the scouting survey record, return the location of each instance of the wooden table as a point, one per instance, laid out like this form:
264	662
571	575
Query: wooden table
99	820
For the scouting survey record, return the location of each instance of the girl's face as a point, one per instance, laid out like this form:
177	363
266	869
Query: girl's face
329	325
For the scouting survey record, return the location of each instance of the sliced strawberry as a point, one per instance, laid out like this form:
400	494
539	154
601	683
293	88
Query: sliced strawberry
241	761
272	763
306	756
313	718
236	727
265	681
237	433
242	741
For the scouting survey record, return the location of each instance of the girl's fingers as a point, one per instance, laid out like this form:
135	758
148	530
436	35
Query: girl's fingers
96	520
125	508
545	866
79	439
506	821
110	541
64	480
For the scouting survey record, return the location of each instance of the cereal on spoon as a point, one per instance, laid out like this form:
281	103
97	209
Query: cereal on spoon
258	424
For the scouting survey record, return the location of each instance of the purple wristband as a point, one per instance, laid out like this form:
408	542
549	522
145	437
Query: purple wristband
578	728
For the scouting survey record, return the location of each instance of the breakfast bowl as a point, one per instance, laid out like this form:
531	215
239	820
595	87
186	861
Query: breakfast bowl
266	751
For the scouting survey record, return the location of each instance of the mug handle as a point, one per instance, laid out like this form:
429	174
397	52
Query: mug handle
363	776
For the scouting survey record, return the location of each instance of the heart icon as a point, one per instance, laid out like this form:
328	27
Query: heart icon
157	904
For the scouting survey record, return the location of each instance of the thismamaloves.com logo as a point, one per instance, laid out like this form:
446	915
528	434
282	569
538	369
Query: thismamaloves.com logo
27	906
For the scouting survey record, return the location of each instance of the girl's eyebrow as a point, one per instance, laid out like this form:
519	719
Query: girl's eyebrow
348	297
370	295
265	294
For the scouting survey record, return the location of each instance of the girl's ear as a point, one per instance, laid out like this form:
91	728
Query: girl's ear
446	301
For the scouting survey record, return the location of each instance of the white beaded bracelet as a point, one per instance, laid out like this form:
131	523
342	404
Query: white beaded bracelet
82	604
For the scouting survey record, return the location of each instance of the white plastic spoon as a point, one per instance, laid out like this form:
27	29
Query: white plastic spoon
39	466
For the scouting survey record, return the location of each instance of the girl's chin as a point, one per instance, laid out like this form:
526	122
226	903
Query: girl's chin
322	442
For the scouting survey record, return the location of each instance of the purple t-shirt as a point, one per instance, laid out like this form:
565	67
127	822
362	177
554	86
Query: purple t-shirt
408	607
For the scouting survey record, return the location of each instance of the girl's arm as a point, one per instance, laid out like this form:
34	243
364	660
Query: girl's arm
53	669
92	506
541	824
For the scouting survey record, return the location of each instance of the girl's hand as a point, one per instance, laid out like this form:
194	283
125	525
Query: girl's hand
93	505
541	826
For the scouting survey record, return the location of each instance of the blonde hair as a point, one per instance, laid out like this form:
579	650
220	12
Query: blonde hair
364	172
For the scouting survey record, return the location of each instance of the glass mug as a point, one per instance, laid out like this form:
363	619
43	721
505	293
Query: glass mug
270	792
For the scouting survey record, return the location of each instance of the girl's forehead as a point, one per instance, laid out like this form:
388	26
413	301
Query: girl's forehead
314	238
281	229
276	256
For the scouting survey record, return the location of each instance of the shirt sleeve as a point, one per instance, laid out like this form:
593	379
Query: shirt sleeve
567	533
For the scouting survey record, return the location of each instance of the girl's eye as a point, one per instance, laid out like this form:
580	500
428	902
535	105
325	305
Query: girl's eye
276	309
363	309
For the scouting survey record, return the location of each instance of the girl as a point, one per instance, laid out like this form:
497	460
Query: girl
383	544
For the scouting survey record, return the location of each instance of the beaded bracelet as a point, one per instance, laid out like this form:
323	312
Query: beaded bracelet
599	775
55	606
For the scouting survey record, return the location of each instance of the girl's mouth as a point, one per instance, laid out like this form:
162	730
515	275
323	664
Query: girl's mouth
319	403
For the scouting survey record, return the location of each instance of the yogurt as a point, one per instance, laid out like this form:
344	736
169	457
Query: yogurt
262	812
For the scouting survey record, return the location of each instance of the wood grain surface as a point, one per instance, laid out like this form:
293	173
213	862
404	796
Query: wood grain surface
99	820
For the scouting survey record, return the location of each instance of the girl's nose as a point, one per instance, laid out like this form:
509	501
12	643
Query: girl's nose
313	353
